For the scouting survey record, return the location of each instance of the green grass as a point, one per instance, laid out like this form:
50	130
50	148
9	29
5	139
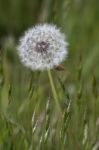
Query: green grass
30	102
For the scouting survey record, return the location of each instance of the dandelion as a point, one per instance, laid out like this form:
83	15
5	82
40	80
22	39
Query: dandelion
42	47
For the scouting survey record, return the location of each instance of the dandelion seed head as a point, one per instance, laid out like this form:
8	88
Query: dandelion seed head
42	47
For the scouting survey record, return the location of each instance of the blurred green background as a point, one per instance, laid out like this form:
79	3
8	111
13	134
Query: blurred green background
22	91
79	19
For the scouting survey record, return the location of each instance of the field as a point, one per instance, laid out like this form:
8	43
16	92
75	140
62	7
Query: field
56	110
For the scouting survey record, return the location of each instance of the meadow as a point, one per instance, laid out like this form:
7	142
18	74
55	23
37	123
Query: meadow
29	116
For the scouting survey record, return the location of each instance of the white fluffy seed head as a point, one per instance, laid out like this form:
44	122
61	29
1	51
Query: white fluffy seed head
42	47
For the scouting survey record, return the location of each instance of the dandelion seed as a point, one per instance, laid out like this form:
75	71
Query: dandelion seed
42	47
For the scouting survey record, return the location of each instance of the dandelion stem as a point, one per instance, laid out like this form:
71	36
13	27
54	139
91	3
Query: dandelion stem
54	91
